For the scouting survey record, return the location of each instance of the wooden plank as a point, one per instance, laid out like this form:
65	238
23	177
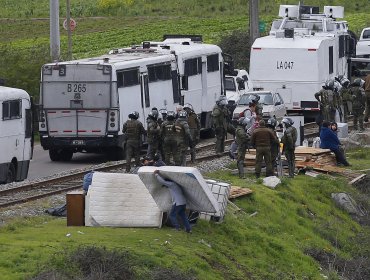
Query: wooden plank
357	179
238	192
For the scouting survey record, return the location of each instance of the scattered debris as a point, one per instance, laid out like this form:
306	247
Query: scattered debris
347	203
205	243
238	191
271	182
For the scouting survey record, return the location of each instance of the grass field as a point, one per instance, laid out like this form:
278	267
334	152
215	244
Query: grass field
277	234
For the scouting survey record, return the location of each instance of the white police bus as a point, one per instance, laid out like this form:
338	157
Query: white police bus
84	103
303	51
16	139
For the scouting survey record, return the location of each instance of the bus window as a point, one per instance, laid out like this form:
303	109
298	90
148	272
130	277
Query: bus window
12	109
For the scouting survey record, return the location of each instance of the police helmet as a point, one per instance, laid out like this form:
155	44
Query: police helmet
337	86
163	112
153	114
135	115
271	122
344	82
330	84
221	101
171	115
183	115
287	121
188	106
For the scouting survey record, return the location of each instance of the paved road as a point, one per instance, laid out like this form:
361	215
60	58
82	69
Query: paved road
42	166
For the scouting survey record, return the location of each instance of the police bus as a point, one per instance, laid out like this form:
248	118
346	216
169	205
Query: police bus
16	139
84	103
303	50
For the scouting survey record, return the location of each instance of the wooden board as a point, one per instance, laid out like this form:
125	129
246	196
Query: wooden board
238	192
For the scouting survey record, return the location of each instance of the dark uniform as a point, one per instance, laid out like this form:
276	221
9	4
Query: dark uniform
326	99
289	139
262	138
194	126
168	135
183	138
346	99
133	129
242	140
271	124
219	116
358	104
153	139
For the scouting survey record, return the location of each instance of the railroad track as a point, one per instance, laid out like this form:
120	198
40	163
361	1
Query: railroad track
49	187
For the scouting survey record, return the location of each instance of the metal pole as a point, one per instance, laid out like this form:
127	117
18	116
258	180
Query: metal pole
254	32
69	30
54	30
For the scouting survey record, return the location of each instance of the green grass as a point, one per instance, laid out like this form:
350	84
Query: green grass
297	217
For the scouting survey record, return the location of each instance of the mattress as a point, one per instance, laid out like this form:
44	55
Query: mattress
120	200
197	193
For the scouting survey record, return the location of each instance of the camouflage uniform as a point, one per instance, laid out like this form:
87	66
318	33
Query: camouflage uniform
274	150
168	134
194	126
153	138
242	140
346	101
183	138
367	96
327	100
220	125
262	138
289	138
134	130
358	107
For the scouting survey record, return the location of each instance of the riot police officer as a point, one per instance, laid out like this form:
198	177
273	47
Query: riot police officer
325	97
219	117
153	130
168	135
194	126
271	124
346	98
134	130
242	140
289	139
183	138
358	103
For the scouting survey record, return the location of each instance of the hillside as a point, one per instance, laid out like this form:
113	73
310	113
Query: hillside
292	232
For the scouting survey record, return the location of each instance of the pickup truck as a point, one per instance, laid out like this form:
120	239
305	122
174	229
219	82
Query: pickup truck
363	44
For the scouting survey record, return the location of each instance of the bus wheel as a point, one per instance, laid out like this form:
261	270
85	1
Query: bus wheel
66	155
55	154
10	176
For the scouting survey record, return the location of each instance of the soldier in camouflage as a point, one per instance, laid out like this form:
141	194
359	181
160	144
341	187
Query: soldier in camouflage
326	100
346	98
194	126
271	124
134	130
154	131
183	138
168	135
358	103
220	124
289	139
242	140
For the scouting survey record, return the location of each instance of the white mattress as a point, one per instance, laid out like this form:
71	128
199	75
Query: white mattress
120	200
198	195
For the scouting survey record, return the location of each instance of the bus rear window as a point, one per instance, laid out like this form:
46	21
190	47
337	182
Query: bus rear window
12	109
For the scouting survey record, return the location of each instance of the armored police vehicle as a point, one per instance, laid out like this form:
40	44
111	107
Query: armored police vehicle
84	103
303	51
16	139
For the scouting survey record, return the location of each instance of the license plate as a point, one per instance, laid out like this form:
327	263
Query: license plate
78	142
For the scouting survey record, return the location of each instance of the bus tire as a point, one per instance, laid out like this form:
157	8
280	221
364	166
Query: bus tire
66	155
54	154
10	176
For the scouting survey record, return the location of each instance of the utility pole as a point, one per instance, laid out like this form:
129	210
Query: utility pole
54	30
254	32
69	32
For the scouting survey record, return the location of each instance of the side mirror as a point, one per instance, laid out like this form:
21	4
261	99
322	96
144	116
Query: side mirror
277	103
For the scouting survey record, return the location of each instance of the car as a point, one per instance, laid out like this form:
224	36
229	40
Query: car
236	85
363	43
272	105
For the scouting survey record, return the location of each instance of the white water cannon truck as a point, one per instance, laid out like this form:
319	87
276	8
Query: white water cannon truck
303	50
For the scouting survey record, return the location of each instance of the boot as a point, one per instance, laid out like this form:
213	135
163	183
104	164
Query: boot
241	169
